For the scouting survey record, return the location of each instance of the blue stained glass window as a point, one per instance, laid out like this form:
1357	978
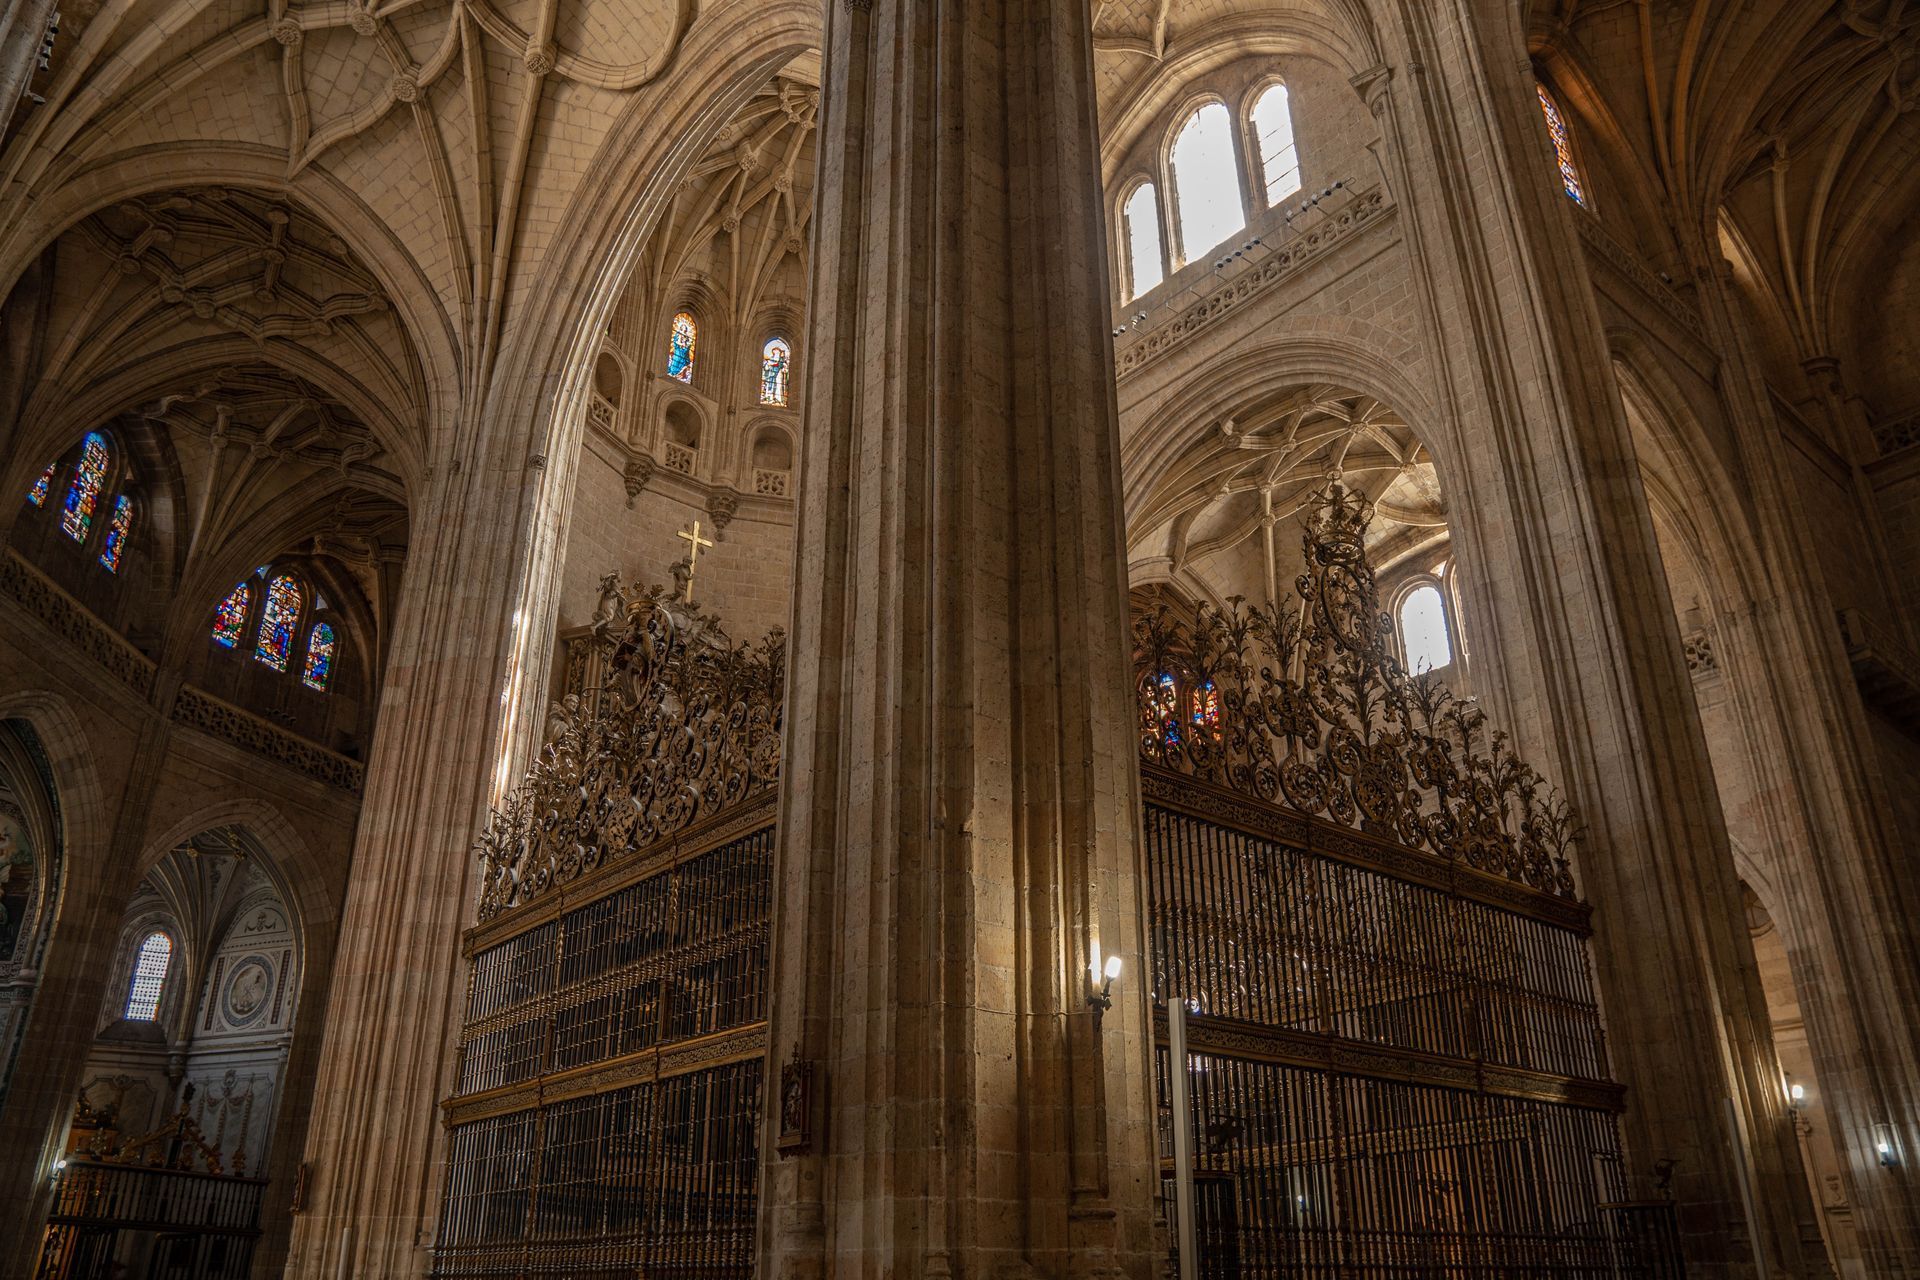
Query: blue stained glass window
319	667
76	518
117	530
776	361
1562	145
38	494
680	346
230	619
277	620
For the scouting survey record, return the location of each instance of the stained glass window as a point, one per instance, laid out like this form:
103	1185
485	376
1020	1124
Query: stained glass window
1206	181
38	494
1206	710
680	347
776	361
319	668
277	619
117	529
1279	156
84	493
1144	263
1166	706
149	975
1423	630
230	619
1562	145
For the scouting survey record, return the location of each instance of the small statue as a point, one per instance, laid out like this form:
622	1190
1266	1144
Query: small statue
682	572
1663	1177
561	716
612	608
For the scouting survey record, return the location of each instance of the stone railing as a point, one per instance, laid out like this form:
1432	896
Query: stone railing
1599	240
1887	671
40	596
75	623
1900	433
1283	260
600	412
675	456
769	482
199	710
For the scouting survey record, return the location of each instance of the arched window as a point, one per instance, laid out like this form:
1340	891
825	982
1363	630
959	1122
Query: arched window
38	494
1562	144
319	665
1206	181
776	361
680	345
76	518
1141	234
277	621
1423	630
1279	156
230	619
149	976
117	530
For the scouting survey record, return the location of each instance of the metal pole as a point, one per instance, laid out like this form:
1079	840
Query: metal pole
1184	1233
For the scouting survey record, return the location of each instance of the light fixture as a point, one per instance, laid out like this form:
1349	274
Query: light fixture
1886	1147
1102	999
1798	1093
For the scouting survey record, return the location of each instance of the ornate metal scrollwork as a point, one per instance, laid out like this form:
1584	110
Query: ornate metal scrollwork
1305	705
688	724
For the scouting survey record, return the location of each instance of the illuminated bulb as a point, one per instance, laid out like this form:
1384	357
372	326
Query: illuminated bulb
1884	1148
1798	1092
1113	968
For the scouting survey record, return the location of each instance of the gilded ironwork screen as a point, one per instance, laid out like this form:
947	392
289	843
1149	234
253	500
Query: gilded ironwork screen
1363	903
609	1090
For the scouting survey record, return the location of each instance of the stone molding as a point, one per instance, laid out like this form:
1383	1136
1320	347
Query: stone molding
195	709
1596	237
1232	297
75	623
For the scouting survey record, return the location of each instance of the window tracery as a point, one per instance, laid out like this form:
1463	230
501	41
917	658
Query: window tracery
1562	140
1206	179
1278	150
149	977
776	360
681	343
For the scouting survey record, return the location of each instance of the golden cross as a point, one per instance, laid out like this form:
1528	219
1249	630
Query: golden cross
694	542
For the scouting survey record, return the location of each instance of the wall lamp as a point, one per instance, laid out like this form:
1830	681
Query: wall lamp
1102	999
1886	1147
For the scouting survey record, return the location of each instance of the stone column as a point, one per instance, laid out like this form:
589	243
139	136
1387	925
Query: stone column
1577	646
373	1146
959	832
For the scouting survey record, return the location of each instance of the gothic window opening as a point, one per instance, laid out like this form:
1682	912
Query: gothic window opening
83	495
278	618
680	347
1279	152
117	530
1141	234
1562	145
319	664
776	361
1206	181
38	494
230	619
1423	630
149	976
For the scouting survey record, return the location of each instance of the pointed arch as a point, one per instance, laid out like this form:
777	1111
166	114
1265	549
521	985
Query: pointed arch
1274	142
683	338
1140	232
1206	180
149	980
230	618
38	494
83	492
115	544
776	367
318	667
1562	139
279	616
